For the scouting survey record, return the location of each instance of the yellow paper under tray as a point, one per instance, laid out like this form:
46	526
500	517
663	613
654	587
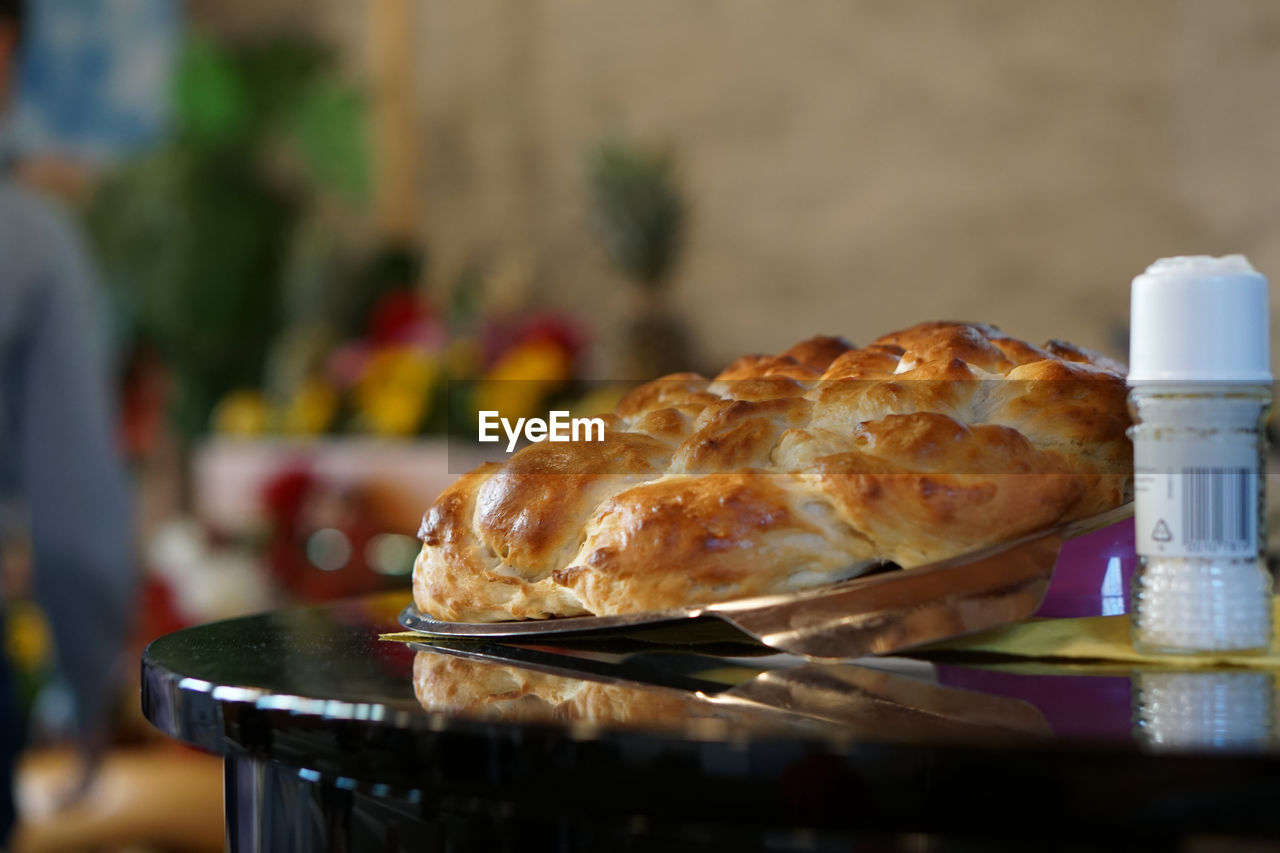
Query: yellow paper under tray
1097	638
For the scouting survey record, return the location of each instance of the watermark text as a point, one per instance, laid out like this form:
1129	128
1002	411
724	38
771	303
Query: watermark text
558	427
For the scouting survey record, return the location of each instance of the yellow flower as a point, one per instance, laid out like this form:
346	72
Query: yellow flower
394	394
519	383
242	413
311	409
29	643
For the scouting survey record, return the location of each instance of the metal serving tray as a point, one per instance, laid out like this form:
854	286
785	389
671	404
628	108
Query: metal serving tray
877	614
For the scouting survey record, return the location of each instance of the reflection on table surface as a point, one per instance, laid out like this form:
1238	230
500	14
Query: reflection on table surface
888	698
1216	710
707	695
328	662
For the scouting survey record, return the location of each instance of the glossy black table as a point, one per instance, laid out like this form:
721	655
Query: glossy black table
336	740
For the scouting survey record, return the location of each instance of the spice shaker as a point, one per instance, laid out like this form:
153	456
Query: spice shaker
1200	390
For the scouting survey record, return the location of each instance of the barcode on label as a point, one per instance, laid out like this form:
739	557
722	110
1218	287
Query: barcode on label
1219	509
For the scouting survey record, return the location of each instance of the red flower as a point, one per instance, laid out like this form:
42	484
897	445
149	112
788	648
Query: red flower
284	494
395	317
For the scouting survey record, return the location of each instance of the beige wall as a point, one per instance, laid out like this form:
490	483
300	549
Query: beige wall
852	166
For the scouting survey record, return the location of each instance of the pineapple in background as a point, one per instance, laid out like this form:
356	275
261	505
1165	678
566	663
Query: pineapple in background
638	214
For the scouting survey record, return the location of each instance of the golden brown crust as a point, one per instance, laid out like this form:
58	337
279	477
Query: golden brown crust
682	540
784	472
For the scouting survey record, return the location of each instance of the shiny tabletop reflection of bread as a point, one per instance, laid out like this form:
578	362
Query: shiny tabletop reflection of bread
785	472
459	686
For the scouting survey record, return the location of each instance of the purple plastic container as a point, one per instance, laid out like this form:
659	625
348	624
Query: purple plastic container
1092	575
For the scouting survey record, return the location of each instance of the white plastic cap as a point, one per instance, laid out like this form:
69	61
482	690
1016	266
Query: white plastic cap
1199	318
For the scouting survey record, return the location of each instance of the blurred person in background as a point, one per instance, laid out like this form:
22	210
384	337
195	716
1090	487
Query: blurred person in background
57	452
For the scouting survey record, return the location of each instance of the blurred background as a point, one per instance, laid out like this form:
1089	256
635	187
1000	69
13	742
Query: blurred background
317	223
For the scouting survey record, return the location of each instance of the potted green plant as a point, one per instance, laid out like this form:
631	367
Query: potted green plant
637	211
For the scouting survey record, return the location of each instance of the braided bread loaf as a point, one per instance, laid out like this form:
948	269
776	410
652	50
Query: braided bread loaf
785	472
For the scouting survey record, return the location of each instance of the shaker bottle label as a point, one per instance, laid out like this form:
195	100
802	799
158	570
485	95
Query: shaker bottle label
1195	498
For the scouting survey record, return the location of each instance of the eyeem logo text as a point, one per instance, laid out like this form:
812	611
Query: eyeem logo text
560	427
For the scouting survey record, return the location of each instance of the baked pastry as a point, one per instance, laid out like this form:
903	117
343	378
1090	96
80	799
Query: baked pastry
785	472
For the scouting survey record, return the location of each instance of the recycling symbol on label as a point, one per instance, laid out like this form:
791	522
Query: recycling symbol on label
1161	533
